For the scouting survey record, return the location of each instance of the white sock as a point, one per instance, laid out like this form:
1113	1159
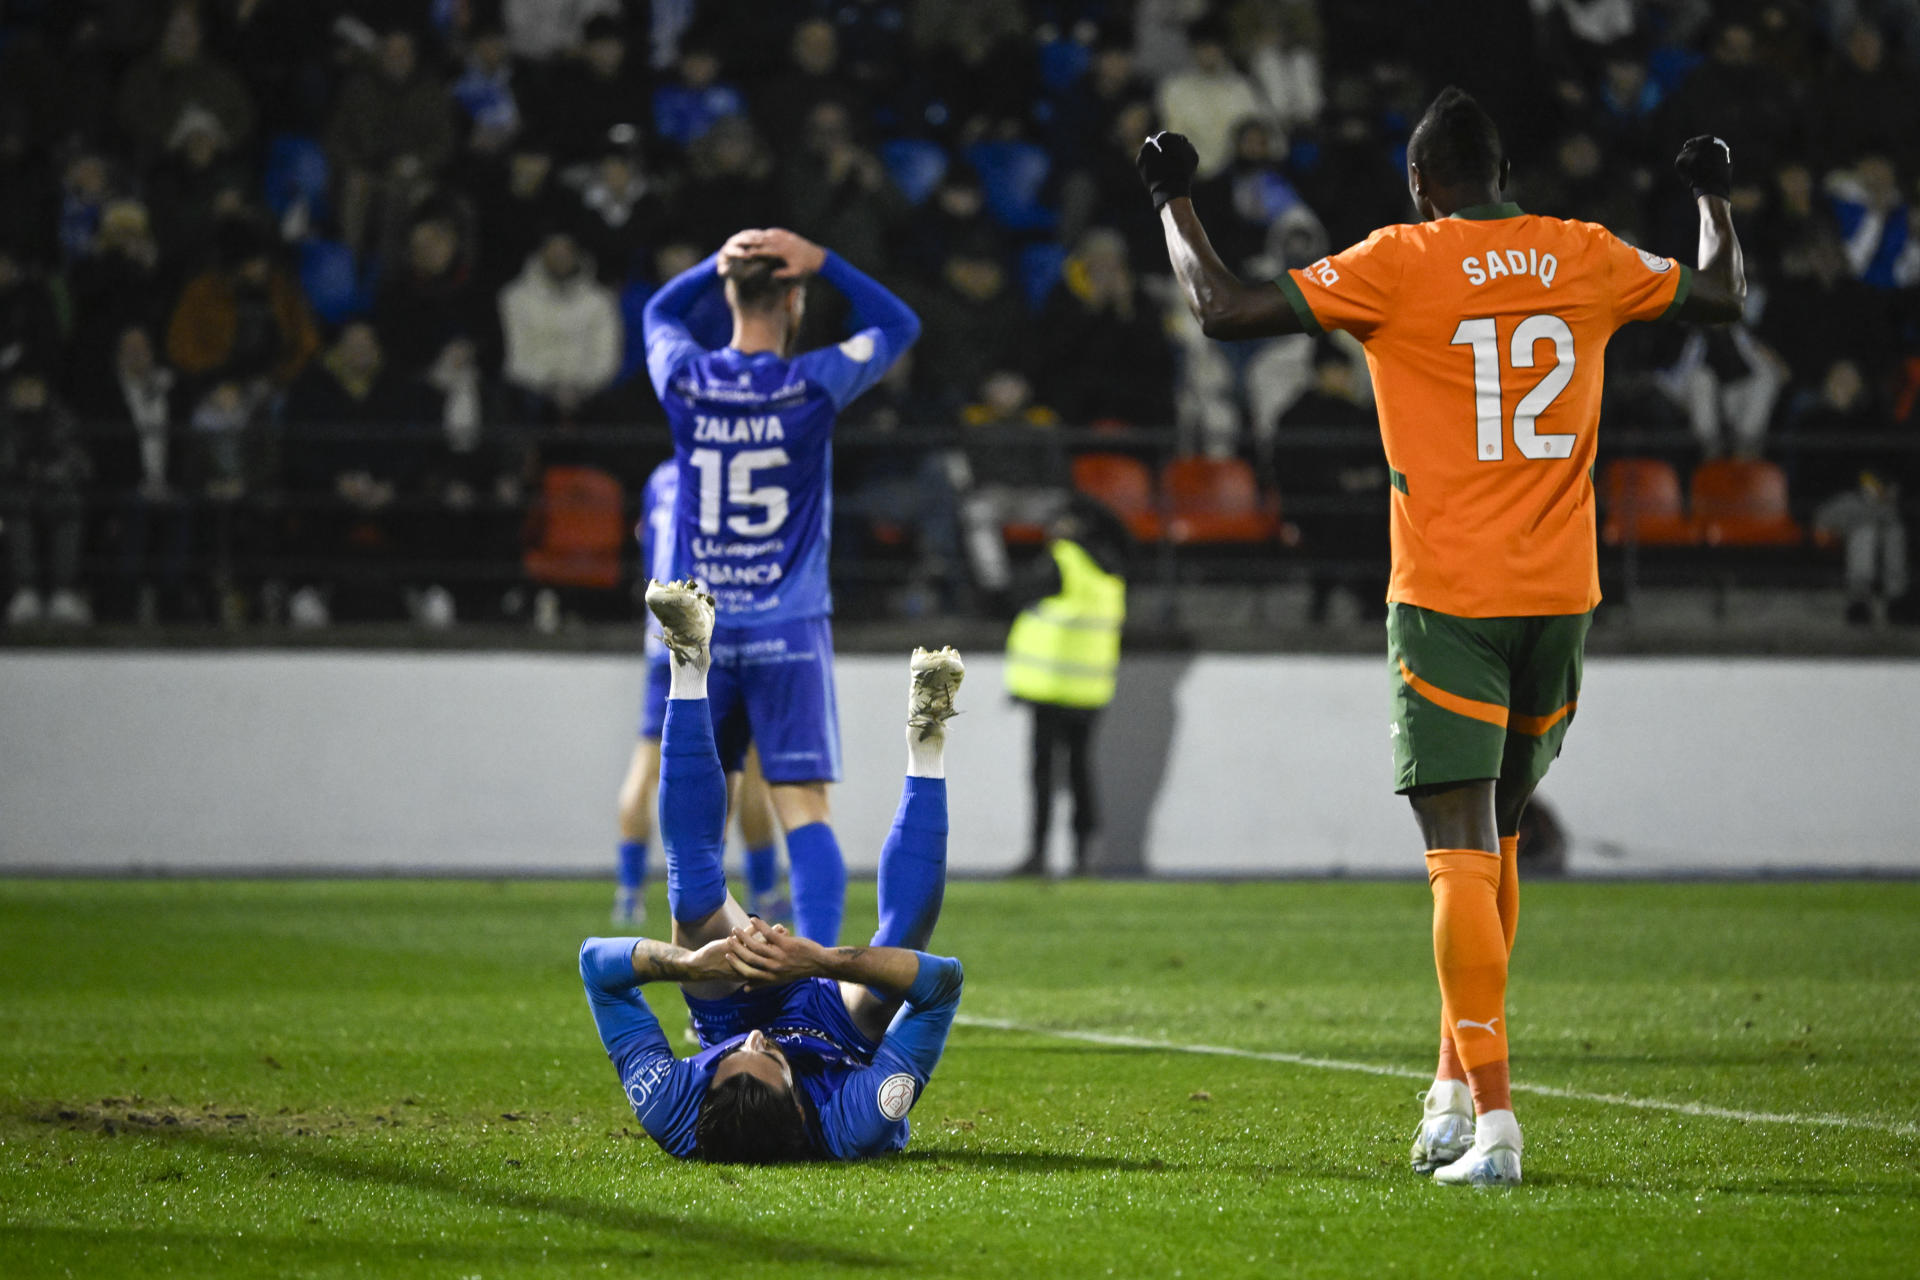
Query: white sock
688	681
926	757
1496	1129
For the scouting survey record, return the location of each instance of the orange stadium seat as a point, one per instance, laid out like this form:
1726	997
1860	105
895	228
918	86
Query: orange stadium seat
1641	497
578	529
1216	501
1123	484
1743	503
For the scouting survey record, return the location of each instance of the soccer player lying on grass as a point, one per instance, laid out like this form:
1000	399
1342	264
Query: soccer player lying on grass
1485	330
807	1052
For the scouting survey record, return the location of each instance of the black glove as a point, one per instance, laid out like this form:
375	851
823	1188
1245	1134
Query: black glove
1706	164
1166	163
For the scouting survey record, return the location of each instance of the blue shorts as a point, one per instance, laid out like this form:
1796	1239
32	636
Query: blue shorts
653	704
773	686
812	1006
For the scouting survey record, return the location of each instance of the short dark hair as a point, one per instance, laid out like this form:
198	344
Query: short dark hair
755	286
745	1120
1456	142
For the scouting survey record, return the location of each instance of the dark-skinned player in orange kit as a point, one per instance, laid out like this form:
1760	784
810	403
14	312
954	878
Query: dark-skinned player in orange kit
1485	330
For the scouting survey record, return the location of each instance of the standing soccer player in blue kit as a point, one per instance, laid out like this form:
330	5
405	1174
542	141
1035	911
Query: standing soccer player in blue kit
807	1052
753	437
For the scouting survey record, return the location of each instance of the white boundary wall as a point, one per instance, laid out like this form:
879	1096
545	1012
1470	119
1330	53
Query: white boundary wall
453	762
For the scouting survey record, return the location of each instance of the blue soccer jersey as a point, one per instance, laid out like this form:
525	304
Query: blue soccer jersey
857	1093
753	435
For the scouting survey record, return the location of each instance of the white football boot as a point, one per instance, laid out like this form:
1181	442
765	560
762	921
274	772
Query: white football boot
685	613
936	678
1446	1126
1494	1158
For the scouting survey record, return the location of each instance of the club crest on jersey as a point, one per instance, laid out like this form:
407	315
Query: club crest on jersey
1654	261
1511	262
896	1096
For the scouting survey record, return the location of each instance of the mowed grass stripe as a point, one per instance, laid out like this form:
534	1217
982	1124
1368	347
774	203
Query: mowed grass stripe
1702	1109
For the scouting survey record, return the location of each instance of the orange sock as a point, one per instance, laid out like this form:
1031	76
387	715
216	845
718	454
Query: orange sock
1470	953
1509	897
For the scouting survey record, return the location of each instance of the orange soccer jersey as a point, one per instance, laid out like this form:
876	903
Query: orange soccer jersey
1486	334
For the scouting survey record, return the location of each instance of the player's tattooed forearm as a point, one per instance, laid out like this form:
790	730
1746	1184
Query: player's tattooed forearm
656	961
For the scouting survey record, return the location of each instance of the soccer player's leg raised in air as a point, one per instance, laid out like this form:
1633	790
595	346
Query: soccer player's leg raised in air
809	1052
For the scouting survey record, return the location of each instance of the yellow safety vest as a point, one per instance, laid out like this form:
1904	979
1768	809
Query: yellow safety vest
1065	649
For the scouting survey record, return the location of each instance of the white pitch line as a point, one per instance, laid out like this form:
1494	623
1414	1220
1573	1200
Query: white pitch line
1895	1127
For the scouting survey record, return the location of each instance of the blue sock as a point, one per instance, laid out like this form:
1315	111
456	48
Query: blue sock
633	863
763	870
693	811
819	877
913	866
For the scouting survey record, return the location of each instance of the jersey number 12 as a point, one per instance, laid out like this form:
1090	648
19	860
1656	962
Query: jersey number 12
1484	337
771	499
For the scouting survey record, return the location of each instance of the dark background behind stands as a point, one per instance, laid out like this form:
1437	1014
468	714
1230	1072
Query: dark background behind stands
327	313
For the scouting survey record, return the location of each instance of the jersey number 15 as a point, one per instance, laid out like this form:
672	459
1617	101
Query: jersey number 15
1483	336
771	499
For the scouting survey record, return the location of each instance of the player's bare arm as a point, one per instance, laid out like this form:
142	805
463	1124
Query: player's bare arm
1225	305
1719	293
763	956
656	961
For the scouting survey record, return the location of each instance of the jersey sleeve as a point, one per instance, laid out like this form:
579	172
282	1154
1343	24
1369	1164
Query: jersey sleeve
869	1116
884	328
1642	285
1352	290
664	1091
670	344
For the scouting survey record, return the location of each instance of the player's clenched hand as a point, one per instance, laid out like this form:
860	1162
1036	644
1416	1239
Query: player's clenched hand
1167	162
802	256
709	964
1706	164
763	955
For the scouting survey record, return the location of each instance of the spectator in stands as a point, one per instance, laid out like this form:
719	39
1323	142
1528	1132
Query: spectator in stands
1102	353
486	91
515	205
540	29
29	326
1728	382
1084	118
354	446
84	191
43	467
1341	483
177	77
838	192
605	88
1858	495
195	185
1242	201
1011	468
1279	45
730	184
1209	98
1096	193
1732	95
562	332
1867	105
392	131
785	107
1876	223
621	210
973	325
119	285
430	299
696	99
136	418
243	321
956	211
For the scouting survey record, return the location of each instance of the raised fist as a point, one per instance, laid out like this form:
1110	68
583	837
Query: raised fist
1706	164
1166	163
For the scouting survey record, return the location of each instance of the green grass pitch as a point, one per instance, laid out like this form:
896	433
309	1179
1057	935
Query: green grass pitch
400	1078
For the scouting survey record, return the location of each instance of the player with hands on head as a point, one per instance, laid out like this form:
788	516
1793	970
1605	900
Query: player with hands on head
807	1051
1485	330
752	430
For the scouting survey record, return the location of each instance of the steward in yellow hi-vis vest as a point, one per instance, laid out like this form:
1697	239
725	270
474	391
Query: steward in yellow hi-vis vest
1065	649
1062	657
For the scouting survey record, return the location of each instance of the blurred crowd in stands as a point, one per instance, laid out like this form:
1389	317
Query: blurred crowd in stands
314	310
